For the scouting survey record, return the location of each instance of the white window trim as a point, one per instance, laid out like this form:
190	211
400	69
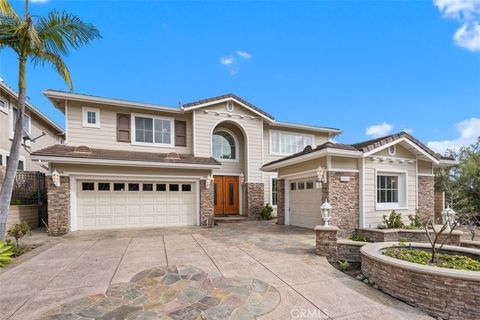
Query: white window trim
85	123
12	121
392	205
6	107
270	144
162	145
4	154
271	190
237	146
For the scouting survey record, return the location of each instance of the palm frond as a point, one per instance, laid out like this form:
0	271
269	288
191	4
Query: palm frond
11	32
58	31
42	57
7	10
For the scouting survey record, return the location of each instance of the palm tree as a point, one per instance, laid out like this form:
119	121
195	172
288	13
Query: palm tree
42	40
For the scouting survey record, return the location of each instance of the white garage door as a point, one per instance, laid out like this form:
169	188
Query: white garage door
115	204
305	201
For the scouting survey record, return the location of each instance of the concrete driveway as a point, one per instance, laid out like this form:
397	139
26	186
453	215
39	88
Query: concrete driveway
85	264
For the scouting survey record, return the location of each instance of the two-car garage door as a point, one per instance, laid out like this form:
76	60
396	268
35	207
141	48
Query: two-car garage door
119	204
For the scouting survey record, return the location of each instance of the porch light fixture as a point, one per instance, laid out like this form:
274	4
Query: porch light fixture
208	181
321	177
241	178
326	210
56	178
448	216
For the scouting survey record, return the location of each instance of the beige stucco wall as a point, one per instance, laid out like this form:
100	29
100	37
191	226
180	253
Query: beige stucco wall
303	166
344	163
425	167
105	137
37	126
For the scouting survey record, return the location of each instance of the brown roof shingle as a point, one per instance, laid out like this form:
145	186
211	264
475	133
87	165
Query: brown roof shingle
107	154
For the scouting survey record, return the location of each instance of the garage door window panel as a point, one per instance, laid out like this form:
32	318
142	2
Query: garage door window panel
119	187
103	186
133	187
147	187
161	187
88	186
186	187
173	187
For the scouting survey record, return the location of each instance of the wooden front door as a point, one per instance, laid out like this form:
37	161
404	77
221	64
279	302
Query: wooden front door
226	194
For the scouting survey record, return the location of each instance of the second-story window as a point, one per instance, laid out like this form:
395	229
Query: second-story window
26	123
153	130
91	117
286	143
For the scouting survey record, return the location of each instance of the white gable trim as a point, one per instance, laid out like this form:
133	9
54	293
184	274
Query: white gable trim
406	140
206	104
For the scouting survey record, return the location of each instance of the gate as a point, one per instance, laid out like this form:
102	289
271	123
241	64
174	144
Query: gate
30	188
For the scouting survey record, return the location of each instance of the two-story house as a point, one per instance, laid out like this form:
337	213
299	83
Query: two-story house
37	125
129	164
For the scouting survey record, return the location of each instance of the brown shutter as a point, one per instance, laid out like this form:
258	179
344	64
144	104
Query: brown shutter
180	133
123	127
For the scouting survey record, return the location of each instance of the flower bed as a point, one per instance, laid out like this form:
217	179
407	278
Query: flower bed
412	235
441	292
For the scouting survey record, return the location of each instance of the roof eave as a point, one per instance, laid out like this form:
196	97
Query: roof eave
334	131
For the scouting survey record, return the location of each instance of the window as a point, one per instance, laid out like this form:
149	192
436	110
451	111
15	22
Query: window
285	143
103	186
26	123
161	187
310	184
173	187
153	130
273	192
21	164
91	117
88	186
147	187
301	185
293	186
391	191
119	187
3	105
186	187
133	187
223	146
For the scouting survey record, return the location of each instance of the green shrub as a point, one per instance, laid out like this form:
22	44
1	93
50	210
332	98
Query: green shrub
359	237
19	230
16	202
415	221
5	254
267	212
343	265
394	221
442	260
402	241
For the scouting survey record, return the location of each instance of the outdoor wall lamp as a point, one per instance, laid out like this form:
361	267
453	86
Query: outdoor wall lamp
208	181
56	178
241	178
326	210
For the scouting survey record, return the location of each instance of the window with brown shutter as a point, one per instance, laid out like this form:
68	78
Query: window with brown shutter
123	127
180	133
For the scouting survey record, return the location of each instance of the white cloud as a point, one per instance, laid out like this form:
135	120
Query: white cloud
226	60
39	1
469	130
244	54
408	130
379	130
467	12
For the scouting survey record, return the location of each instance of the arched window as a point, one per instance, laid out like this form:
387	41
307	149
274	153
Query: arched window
224	146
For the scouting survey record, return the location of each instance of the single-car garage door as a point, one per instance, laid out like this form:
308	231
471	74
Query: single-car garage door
305	201
115	204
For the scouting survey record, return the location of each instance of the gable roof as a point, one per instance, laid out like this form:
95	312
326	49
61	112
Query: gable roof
31	107
365	147
225	97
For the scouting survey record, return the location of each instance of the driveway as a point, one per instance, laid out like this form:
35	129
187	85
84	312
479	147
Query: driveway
253	269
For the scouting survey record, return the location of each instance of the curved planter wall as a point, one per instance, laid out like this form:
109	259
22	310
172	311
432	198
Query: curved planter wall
445	293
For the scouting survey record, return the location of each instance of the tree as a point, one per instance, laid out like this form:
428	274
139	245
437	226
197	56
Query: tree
42	40
461	185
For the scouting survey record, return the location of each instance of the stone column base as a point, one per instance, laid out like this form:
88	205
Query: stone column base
255	199
326	242
281	201
58	206
206	204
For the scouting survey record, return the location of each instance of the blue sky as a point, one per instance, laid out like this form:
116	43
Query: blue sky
363	66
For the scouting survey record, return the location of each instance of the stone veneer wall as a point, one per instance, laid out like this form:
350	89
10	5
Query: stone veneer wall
470	244
326	242
419	235
206	204
448	294
438	205
426	198
344	198
255	199
349	250
281	201
58	206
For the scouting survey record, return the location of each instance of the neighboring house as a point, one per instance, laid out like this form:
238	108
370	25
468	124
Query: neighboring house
35	122
362	182
129	164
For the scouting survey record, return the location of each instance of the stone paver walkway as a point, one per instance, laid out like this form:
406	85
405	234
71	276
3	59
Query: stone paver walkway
92	269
